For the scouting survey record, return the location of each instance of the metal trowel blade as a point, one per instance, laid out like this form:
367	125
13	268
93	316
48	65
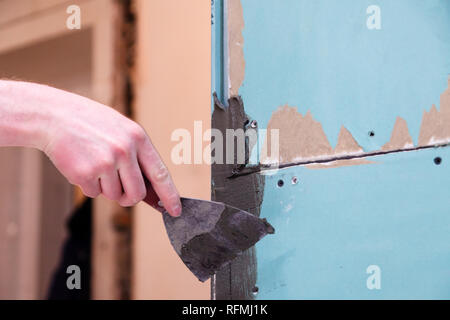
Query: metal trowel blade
209	235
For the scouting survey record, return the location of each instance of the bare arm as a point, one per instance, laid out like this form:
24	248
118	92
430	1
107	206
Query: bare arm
92	145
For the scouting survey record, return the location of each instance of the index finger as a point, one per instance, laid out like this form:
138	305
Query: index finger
157	173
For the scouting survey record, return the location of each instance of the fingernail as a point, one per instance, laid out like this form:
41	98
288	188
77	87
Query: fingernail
176	210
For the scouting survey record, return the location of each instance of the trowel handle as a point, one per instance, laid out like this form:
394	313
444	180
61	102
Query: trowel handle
152	198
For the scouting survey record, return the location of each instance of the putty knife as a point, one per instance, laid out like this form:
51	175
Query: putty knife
208	235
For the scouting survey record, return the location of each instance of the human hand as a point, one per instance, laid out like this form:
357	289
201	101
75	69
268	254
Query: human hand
103	152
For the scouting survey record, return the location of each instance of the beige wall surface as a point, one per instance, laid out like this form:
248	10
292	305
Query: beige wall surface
172	90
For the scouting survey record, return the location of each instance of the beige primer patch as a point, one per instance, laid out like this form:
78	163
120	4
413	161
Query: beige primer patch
435	126
300	137
400	138
347	144
236	61
339	163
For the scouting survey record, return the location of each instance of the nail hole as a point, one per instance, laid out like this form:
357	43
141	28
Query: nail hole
371	134
438	160
280	183
255	290
294	180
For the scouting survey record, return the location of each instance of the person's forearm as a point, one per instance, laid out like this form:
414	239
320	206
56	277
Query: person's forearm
24	114
92	145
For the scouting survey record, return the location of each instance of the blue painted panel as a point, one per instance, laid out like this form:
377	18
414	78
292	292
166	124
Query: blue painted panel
319	55
336	222
217	45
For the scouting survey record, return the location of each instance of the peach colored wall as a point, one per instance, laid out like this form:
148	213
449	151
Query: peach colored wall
173	90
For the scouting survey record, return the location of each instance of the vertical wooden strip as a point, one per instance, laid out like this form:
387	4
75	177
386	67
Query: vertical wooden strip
10	196
56	206
110	265
30	179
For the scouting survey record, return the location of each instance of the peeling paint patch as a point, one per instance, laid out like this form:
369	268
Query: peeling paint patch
235	46
400	138
339	163
301	138
435	126
347	144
